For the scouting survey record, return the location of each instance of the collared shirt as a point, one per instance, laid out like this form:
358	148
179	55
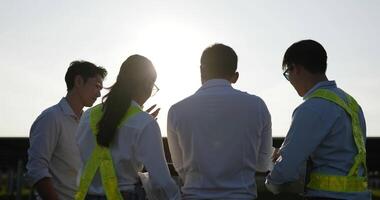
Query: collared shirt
218	138
322	131
137	143
53	151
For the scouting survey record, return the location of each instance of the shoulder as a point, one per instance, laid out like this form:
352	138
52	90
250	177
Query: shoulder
47	123
139	121
51	114
321	107
255	99
313	104
321	104
246	96
250	100
183	104
139	125
189	101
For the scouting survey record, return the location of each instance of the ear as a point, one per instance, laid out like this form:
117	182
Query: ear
298	69
234	77
143	87
203	74
78	81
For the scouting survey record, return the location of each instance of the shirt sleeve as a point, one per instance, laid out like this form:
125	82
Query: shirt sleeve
363	123
43	139
265	149
306	132
174	147
151	153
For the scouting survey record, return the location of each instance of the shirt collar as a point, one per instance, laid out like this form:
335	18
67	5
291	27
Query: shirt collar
134	103
66	108
323	84
215	83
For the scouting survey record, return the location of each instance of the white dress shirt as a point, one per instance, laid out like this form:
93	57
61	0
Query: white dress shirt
137	143
218	138
53	151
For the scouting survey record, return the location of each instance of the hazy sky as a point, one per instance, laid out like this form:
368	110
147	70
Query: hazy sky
38	40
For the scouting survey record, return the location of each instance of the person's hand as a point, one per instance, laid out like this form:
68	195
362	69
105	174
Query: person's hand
153	113
275	154
46	189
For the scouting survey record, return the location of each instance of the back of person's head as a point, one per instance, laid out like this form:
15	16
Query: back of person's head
83	69
134	72
136	78
218	61
308	53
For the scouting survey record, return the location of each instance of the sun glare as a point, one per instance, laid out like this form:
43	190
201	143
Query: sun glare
175	50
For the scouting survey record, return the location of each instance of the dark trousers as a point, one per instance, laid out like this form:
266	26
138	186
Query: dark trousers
126	196
137	194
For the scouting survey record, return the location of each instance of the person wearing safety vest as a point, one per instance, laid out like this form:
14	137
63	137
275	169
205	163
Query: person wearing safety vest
327	132
117	139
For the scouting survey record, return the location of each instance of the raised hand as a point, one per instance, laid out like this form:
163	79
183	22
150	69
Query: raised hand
155	112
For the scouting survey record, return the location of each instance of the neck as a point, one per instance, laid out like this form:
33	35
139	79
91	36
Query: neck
205	80
140	101
75	103
314	80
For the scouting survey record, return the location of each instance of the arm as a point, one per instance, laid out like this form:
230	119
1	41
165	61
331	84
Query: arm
151	153
45	189
265	149
306	132
174	147
363	123
43	139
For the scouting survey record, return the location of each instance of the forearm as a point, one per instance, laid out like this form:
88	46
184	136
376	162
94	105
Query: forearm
43	139
46	189
175	151
264	162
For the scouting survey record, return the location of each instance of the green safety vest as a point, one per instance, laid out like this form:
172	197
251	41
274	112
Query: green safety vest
352	182
101	159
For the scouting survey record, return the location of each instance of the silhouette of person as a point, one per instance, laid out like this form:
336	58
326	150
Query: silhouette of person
328	129
219	136
130	137
53	157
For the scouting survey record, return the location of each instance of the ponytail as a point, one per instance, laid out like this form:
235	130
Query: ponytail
134	73
114	108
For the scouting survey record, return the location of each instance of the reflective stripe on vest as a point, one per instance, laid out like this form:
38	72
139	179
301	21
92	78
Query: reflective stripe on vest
352	182
101	158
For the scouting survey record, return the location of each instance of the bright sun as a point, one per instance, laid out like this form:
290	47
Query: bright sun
175	50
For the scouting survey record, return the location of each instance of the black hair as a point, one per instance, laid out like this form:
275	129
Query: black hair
219	61
84	69
308	53
134	72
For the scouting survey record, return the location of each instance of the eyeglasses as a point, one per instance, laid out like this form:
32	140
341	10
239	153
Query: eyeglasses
286	73
155	89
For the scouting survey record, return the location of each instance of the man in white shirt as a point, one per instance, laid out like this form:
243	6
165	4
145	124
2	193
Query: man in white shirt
53	156
219	137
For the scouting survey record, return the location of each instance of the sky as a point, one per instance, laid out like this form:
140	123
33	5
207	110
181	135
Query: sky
39	39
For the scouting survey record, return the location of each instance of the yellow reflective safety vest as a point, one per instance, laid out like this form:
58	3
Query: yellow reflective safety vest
352	182
101	159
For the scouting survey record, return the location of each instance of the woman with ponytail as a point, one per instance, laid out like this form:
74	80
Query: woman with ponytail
117	139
